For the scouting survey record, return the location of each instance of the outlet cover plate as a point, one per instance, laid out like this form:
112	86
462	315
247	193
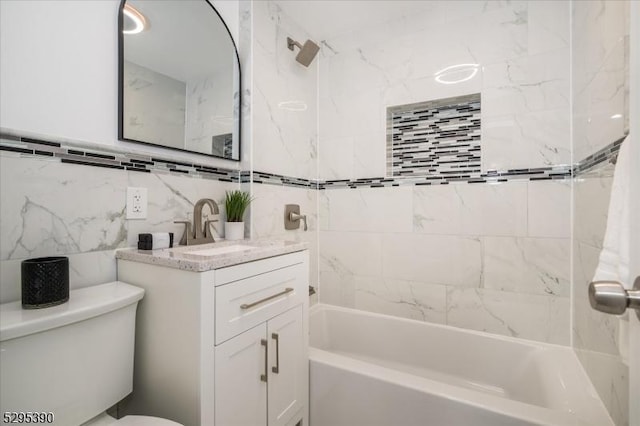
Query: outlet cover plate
136	203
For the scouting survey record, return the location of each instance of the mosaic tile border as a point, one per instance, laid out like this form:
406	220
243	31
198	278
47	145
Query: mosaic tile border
88	155
281	180
607	154
493	176
91	155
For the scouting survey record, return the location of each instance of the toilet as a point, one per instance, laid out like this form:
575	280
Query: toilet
73	360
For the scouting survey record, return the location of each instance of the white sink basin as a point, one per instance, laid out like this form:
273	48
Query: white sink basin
219	250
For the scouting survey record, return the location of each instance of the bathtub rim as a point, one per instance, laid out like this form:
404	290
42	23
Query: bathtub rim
518	340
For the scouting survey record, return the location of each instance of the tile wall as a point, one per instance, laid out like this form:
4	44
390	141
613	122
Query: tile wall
492	257
50	207
522	49
284	129
600	114
485	257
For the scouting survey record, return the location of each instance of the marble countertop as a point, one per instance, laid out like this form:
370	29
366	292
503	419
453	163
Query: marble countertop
182	257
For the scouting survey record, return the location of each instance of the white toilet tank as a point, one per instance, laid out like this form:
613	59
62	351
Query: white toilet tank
73	360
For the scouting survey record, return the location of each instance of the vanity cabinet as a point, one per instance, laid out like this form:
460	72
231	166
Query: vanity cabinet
222	347
263	365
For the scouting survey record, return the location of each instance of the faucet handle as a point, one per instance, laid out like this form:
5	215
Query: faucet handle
186	237
294	217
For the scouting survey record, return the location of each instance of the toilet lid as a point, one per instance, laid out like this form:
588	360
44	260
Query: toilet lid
145	421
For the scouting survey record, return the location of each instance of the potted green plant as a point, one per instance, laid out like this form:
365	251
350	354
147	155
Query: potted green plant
235	203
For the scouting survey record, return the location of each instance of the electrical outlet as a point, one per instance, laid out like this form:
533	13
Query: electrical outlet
136	203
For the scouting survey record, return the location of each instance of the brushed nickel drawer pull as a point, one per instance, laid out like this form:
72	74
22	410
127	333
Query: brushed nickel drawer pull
251	305
263	377
275	337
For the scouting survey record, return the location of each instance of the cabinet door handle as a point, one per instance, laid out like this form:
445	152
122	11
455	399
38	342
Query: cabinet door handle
251	305
263	377
276	369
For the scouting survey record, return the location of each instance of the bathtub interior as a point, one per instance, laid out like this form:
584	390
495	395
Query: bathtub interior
533	373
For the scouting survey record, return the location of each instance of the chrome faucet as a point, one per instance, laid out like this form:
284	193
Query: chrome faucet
199	234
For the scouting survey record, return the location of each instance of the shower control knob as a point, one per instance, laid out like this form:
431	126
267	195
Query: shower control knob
611	297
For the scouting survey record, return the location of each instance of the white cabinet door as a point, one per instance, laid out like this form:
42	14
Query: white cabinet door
286	367
240	379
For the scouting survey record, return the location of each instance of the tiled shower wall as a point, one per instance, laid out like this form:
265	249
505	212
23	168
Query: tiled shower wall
284	128
600	82
484	257
478	256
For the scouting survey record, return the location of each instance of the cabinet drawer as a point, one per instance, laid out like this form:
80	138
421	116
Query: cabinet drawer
246	303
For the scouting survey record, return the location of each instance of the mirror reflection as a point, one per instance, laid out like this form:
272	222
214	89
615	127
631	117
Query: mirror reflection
179	77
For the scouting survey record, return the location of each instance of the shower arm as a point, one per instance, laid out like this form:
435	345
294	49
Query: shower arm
291	42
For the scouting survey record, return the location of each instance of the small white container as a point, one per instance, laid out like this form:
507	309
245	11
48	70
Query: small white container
234	230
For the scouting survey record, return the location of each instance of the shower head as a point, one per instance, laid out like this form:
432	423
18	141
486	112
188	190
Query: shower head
308	51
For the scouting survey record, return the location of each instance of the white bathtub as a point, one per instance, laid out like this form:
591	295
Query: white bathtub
369	369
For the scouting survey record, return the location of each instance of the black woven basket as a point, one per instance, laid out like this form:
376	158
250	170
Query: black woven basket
45	282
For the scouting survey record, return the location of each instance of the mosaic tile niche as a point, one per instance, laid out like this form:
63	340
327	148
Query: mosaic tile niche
437	138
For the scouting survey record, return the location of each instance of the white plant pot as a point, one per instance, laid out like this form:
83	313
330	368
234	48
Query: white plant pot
234	230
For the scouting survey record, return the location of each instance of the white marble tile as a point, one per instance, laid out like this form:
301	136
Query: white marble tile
350	113
527	265
592	330
504	33
172	197
406	299
599	58
323	210
465	9
598	27
267	209
591	204
427	88
370	209
286	143
411	21
50	208
357	71
351	253
85	269
600	69
284	95
536	139
548	25
549	209
610	377
471	209
435	259
353	135
336	157
337	289
598	104
267	218
370	158
526	84
532	317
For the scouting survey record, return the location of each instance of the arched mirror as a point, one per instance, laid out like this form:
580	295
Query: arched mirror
179	77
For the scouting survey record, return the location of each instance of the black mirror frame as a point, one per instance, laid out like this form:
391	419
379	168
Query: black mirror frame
121	88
